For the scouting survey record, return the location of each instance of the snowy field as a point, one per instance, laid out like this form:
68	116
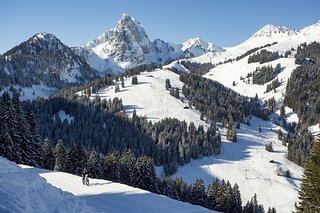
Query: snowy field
28	190
150	98
247	163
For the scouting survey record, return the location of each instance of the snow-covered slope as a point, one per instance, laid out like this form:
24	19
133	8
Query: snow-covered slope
23	190
285	38
128	45
247	163
32	190
150	98
248	155
230	72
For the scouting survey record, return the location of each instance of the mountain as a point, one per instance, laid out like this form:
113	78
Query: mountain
195	47
128	45
44	60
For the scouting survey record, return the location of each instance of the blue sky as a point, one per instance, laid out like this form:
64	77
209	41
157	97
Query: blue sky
222	22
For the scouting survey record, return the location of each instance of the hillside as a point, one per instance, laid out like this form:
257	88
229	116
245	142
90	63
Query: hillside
248	155
28	189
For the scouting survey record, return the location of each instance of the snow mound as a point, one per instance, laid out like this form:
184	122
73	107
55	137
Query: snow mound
23	190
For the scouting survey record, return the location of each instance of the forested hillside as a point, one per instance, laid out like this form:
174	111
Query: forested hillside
303	97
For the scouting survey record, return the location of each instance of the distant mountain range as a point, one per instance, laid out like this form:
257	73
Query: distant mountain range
45	60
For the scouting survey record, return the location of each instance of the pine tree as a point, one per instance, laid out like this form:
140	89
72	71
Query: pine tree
94	165
236	199
21	132
111	166
198	194
8	147
212	193
34	137
168	85
144	176
48	155
310	186
231	132
60	155
183	189
253	206
76	159
122	81
126	167
168	187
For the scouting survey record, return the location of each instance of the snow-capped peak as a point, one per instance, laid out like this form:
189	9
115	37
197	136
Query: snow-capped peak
199	43
269	30
193	42
44	36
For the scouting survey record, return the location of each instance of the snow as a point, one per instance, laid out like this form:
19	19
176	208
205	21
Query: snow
177	66
291	116
246	163
229	72
269	34
151	99
23	190
128	45
63	116
31	93
315	130
26	189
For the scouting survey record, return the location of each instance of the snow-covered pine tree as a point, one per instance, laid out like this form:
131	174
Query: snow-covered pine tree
168	187
310	186
144	176
212	193
198	193
19	131
60	156
34	137
236	205
126	167
183	189
94	165
111	166
8	147
76	159
48	154
253	206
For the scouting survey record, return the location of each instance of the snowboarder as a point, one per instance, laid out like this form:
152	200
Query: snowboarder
85	178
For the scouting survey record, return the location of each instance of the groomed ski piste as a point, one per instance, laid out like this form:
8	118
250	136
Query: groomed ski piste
28	190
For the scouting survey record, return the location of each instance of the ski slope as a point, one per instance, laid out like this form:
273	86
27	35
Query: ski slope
247	163
150	98
28	190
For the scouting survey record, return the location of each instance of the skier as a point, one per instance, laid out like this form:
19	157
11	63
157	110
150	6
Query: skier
85	179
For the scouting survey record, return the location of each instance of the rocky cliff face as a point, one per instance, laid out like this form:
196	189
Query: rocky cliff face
128	45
